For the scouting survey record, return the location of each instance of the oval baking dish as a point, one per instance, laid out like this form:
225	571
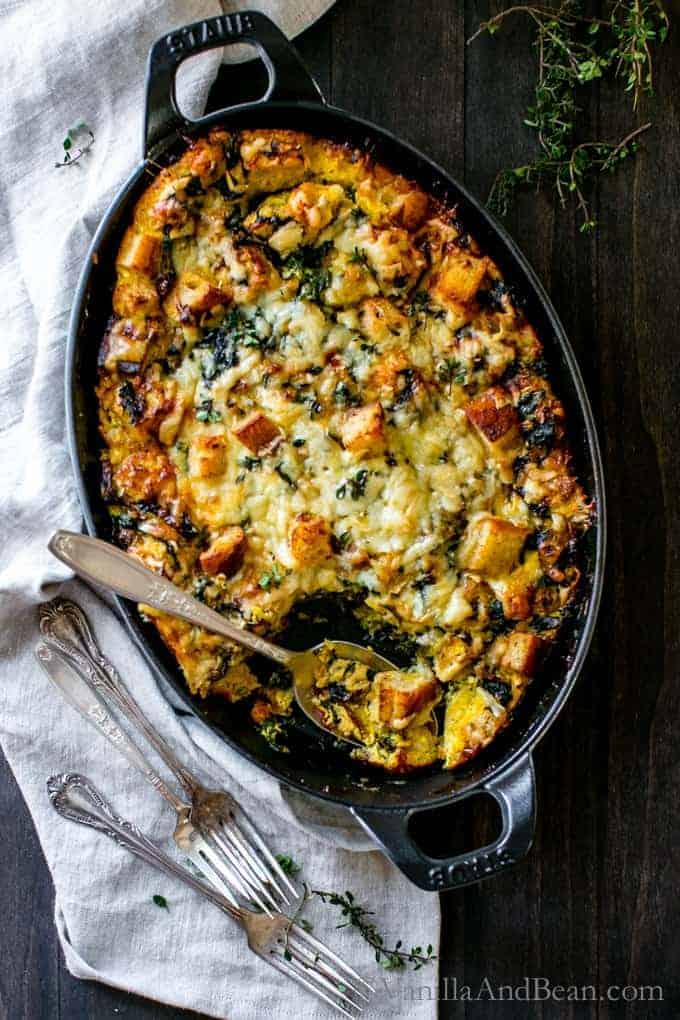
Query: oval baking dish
384	804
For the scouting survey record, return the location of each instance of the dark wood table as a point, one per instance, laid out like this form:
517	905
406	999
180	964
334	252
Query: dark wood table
597	901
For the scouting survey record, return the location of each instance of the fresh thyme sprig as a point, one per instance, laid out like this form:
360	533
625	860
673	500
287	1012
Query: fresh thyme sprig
297	918
574	50
568	175
80	135
635	26
359	917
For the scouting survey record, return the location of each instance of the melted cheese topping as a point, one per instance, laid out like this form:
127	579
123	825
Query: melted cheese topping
314	381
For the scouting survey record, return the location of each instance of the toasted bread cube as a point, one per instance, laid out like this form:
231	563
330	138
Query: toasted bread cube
199	295
399	695
522	652
516	602
225	554
125	344
491	545
383	323
273	162
140	252
207	456
362	429
388	373
493	415
314	205
451	658
135	296
287	238
517	591
257	432
391	199
146	475
469	724
409	209
310	539
460	276
207	161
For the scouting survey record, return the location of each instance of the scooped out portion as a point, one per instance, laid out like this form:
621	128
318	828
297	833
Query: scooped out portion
389	712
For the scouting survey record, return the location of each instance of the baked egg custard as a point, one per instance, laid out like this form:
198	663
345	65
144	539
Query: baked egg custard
314	381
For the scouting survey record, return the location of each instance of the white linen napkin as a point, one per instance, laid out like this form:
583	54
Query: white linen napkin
62	62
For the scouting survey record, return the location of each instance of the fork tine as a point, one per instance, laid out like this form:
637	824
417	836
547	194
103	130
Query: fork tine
220	868
211	875
234	852
334	983
317	962
232	831
268	855
297	973
244	887
320	948
322	985
250	879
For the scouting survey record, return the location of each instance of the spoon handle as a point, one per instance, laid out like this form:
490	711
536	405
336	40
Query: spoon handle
103	564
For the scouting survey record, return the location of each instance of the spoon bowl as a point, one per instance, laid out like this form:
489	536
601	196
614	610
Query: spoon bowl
302	666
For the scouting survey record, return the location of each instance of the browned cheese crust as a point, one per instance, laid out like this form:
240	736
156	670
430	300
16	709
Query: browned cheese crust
313	380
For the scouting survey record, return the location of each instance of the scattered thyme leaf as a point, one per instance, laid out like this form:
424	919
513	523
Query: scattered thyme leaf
81	136
357	484
207	413
272	577
287	864
359	256
160	901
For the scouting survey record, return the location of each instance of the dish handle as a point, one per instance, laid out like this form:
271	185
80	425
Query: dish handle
289	79
515	793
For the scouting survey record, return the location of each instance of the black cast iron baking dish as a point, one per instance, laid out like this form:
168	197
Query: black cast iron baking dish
386	806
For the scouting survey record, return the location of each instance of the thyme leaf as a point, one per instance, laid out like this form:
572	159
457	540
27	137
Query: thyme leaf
287	864
80	135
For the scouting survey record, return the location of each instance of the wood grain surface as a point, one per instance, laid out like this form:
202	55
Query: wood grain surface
597	901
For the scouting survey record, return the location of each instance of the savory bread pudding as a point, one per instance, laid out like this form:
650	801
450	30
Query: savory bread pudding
314	380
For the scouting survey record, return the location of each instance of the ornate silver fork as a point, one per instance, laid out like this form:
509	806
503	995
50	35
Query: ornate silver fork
212	829
277	940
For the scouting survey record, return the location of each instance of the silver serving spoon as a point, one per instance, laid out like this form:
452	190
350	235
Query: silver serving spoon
105	565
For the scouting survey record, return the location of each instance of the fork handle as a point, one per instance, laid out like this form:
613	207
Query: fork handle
102	563
78	691
124	833
65	625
